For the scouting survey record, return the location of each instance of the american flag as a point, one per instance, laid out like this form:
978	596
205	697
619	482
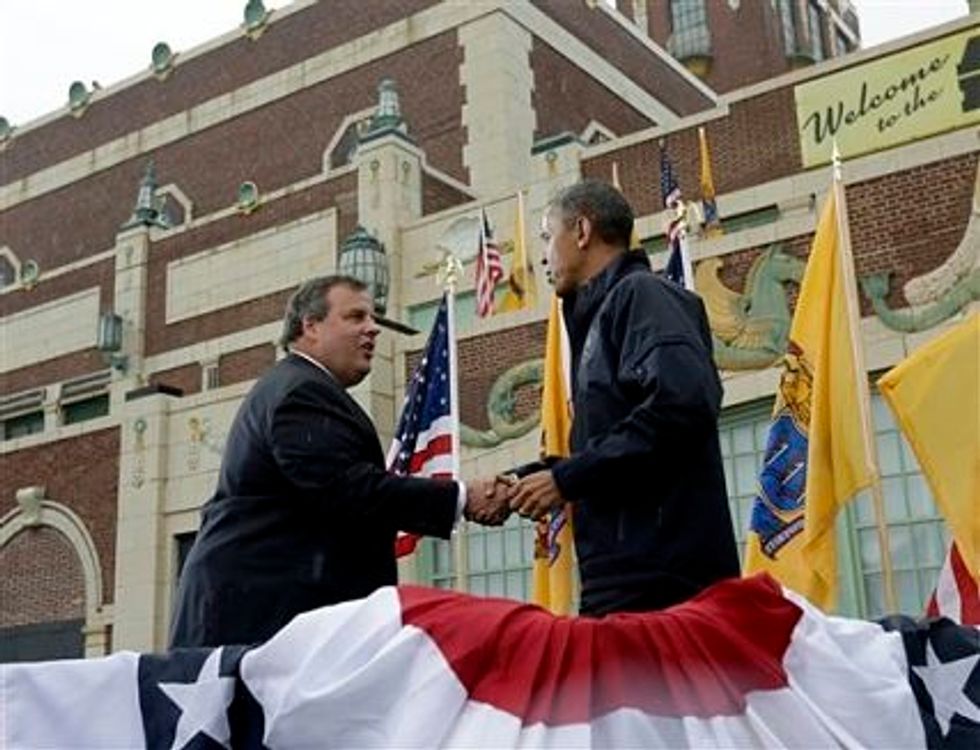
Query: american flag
957	595
489	268
671	192
423	444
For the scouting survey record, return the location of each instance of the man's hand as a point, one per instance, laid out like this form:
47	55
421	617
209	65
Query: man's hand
486	501
536	495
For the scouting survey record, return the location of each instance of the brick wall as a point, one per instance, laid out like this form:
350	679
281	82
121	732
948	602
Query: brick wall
68	365
740	155
50	371
618	47
79	472
313	30
559	90
892	229
909	222
186	377
245	364
746	43
482	359
438	196
40	579
273	146
161	337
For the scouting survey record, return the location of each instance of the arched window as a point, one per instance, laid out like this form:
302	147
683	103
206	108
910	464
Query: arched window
687	14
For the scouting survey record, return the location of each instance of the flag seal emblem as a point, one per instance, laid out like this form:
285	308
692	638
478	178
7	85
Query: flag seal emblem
777	511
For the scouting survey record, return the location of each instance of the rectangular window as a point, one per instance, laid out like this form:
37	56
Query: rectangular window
23	424
789	26
89	408
495	561
687	14
816	31
918	537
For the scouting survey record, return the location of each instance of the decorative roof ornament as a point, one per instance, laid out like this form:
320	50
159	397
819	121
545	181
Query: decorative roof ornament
78	98
256	18
162	60
248	197
6	131
387	117
148	210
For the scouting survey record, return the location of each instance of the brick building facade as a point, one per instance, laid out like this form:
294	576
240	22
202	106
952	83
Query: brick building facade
266	160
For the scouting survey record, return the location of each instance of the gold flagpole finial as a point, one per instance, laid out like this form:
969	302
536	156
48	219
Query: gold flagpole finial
835	160
449	273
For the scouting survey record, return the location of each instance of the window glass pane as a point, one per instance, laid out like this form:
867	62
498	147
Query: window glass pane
743	438
441	557
816	31
745	474
870	554
478	585
495	550
686	14
900	543
907	590
864	509
874	591
475	549
893	488
495	584
920	499
515	585
513	549
889	454
929	546
90	408
22	425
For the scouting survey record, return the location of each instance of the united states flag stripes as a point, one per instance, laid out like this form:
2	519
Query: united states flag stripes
423	444
671	192
957	595
489	268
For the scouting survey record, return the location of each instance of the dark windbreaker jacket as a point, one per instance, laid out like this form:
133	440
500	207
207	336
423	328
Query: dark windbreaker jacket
651	518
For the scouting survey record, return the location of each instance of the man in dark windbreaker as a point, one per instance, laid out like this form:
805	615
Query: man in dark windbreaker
651	519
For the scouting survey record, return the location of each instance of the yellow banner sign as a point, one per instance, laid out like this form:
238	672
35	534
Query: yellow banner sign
909	95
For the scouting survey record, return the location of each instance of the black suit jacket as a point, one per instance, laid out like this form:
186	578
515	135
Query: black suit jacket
304	515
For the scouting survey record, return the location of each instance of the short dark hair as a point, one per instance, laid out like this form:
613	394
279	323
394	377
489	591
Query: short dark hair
310	301
600	203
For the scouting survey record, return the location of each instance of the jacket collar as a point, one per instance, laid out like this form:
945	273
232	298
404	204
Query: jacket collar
582	306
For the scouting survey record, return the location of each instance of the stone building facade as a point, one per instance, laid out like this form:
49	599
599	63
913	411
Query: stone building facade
266	154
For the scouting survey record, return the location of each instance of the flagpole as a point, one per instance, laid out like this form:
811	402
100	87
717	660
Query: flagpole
864	393
450	272
686	253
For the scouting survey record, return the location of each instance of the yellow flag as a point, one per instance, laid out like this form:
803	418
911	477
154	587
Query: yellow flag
817	452
521	290
635	243
712	223
935	394
554	572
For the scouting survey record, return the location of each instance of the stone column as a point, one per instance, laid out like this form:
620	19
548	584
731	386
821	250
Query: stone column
129	301
140	622
389	195
498	116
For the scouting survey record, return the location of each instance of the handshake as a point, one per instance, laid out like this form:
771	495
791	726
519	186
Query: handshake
489	501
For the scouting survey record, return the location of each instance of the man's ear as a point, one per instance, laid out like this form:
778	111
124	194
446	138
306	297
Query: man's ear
583	226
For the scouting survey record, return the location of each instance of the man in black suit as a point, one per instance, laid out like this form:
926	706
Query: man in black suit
305	514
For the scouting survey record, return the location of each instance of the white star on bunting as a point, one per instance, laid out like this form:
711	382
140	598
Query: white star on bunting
945	682
203	704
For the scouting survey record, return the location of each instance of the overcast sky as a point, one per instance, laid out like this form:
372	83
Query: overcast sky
47	44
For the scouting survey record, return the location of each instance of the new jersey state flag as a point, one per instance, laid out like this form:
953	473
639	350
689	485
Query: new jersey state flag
816	455
744	664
